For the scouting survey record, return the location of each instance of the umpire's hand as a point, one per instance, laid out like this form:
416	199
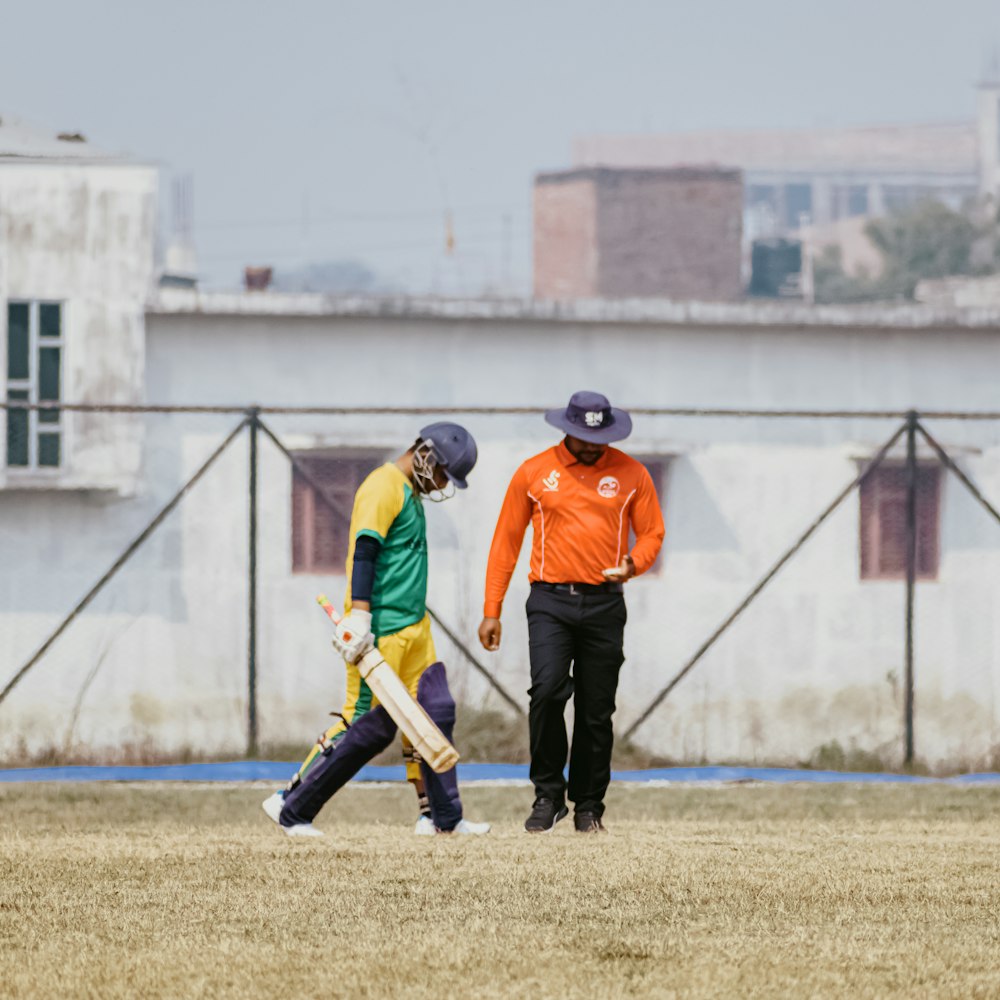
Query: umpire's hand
625	570
489	633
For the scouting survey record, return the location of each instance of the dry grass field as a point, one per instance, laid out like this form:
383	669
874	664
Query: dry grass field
749	891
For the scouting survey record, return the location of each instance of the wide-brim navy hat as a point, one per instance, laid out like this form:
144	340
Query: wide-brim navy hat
590	417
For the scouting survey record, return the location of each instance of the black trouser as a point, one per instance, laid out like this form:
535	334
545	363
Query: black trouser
583	631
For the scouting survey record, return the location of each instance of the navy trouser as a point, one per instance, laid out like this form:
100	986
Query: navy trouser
575	645
368	736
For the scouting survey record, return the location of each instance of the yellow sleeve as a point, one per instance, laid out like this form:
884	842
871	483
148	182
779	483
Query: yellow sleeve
377	504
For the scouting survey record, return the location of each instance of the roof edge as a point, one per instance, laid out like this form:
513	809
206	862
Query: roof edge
599	174
662	312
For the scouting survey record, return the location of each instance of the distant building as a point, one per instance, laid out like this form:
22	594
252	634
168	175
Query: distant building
669	233
821	175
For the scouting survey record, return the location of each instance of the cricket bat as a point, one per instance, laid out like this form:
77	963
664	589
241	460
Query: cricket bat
418	727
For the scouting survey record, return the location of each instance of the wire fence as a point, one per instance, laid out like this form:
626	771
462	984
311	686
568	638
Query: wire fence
56	533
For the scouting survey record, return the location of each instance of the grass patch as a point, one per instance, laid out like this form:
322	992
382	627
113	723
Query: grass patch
167	891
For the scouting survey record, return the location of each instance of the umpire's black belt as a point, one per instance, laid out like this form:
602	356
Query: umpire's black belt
580	588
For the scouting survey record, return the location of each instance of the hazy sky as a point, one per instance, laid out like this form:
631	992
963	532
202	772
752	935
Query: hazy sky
320	130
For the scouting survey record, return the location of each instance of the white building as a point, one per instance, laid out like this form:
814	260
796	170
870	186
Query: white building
157	662
77	229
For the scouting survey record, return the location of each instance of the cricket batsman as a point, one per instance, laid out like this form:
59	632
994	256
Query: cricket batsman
386	607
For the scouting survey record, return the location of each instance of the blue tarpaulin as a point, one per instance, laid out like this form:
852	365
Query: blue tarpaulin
280	771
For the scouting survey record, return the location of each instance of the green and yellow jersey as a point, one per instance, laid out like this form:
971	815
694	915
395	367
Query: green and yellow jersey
387	508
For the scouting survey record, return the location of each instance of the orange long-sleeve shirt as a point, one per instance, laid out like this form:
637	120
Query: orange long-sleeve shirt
580	515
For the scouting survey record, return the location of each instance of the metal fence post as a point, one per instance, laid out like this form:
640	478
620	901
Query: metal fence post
253	423
912	421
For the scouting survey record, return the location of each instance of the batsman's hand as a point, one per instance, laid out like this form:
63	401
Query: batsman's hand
354	637
489	633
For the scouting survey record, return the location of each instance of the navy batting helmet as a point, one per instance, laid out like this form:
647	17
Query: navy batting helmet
454	450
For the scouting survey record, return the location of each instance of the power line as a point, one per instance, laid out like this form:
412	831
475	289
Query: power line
388	216
432	241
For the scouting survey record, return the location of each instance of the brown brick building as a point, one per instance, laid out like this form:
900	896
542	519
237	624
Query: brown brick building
670	233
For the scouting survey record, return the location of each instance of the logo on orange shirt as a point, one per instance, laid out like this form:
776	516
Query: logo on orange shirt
608	487
551	482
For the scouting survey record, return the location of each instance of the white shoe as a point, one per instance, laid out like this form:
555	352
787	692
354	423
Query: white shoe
475	829
303	830
273	805
425	827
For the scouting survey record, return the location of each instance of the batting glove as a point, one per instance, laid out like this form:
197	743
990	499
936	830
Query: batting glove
354	637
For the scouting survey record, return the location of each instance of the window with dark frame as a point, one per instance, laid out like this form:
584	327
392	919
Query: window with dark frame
883	498
656	466
320	535
34	375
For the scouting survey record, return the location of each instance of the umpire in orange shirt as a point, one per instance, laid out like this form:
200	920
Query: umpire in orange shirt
581	497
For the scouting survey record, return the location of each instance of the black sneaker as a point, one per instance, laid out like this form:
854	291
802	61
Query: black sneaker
544	815
588	822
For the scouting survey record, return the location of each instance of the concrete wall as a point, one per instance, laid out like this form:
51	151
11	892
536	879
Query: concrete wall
622	233
565	240
673	234
83	235
161	663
